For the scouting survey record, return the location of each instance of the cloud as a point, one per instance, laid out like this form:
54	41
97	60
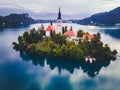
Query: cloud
67	6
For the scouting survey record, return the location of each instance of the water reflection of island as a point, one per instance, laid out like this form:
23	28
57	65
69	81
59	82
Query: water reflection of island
92	69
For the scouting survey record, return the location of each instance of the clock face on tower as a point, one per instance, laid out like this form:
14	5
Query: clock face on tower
59	23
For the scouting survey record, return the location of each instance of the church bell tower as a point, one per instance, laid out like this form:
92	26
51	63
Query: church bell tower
59	22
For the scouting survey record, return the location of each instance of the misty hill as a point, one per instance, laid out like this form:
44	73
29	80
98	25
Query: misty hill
53	16
16	20
106	18
4	11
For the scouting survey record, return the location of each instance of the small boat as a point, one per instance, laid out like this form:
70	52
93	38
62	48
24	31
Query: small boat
89	58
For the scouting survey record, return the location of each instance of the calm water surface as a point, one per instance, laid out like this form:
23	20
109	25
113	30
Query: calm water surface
20	72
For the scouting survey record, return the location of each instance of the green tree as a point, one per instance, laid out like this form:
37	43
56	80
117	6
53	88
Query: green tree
63	51
19	38
114	52
58	38
66	28
75	52
21	45
26	37
80	33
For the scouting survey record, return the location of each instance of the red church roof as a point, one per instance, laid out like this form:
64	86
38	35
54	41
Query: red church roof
90	37
50	27
69	32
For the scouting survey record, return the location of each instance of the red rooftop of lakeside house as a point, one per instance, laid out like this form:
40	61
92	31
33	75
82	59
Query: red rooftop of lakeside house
69	32
50	27
90	37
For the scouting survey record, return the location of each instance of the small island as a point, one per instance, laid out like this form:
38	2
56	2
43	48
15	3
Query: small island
67	45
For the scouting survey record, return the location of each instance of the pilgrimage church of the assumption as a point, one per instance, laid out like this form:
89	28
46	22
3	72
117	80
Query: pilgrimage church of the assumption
71	35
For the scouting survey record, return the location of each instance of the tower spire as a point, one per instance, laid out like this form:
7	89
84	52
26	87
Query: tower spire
59	14
59	22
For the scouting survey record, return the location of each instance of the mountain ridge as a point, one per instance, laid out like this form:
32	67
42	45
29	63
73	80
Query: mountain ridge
105	18
16	20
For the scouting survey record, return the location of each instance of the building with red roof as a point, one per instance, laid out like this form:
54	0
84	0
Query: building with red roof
88	36
49	28
70	34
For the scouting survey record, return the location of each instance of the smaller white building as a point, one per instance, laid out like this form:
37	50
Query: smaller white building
71	35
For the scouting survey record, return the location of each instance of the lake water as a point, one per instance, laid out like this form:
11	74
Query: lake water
19	72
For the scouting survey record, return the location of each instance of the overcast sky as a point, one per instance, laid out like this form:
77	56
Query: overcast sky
67	6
